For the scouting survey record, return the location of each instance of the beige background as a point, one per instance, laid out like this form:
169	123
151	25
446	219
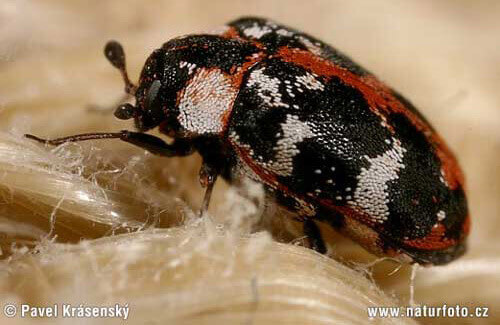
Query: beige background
442	55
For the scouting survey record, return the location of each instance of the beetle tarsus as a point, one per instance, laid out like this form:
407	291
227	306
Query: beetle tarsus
145	141
34	137
208	176
156	145
76	137
316	242
206	199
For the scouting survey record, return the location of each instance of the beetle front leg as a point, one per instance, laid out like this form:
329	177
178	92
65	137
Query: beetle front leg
316	242
148	142
157	146
208	176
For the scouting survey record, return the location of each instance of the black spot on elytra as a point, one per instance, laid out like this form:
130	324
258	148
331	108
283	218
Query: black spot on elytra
211	51
346	131
344	128
418	194
256	127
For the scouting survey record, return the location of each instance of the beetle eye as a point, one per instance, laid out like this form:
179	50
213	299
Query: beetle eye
125	111
152	94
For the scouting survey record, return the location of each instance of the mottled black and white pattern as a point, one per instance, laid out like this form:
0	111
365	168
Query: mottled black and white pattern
326	138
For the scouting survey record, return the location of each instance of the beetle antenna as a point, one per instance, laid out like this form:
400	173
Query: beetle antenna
115	54
77	137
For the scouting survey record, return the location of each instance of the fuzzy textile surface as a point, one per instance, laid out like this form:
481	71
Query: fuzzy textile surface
103	223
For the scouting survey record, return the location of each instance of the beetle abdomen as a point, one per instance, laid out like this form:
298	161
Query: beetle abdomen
320	133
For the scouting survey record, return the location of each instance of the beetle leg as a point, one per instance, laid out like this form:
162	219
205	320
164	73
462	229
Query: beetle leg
148	142
311	230
157	146
208	176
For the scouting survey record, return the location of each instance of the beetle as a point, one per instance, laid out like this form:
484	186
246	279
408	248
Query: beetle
328	140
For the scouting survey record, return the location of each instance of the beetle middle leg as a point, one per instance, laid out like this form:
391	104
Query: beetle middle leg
311	230
306	213
208	176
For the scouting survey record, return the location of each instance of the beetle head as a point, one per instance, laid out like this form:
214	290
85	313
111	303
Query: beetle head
154	94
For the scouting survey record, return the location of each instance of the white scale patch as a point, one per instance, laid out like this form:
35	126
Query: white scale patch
284	32
441	215
310	82
293	131
442	178
241	167
314	48
204	101
371	194
188	65
267	88
257	31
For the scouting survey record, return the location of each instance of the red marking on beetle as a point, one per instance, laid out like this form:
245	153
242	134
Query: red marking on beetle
168	47
237	78
232	33
266	177
226	117
466	226
451	171
239	72
435	240
381	101
351	213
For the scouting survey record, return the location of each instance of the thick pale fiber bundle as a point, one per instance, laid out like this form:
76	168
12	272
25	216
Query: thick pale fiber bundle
144	244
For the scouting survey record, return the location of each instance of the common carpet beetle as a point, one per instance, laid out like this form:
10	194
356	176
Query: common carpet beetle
327	139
